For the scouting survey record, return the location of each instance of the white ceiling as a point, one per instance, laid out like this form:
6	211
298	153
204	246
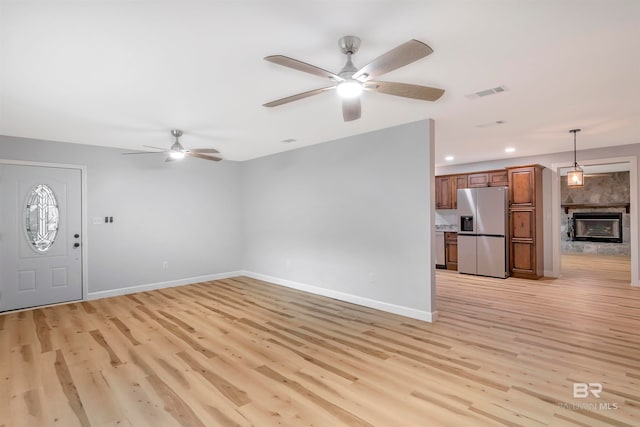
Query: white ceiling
122	73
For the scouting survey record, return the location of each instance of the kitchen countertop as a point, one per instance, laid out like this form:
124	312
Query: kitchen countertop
447	227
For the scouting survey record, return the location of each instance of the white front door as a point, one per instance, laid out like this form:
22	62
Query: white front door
40	236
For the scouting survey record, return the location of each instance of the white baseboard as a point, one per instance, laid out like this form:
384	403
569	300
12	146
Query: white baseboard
160	285
355	299
549	273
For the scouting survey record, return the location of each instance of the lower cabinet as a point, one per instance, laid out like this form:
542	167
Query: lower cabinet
523	259
451	250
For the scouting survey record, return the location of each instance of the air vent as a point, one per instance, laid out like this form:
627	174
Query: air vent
286	141
486	92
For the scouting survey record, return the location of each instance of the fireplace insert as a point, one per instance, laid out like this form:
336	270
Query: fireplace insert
597	227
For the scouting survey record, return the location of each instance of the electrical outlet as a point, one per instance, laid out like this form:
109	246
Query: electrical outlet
165	264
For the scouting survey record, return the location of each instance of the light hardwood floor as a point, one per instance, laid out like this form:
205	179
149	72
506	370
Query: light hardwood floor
240	352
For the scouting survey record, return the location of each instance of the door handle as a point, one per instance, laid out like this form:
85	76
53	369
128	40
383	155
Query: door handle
75	245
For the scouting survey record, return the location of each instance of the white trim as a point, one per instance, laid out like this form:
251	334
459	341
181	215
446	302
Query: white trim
161	285
355	299
83	207
41	164
633	194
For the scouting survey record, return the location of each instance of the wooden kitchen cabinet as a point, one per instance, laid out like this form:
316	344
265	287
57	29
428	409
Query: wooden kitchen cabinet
447	190
526	258
475	180
498	178
451	250
443	192
457	182
523	187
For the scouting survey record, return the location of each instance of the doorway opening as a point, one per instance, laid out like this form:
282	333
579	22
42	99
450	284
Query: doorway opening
595	226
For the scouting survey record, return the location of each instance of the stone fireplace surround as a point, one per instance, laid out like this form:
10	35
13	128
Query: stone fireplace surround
599	194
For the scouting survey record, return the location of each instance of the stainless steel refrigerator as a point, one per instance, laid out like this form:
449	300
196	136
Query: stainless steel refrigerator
483	231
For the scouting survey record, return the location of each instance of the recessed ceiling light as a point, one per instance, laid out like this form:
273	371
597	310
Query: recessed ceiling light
288	140
449	158
509	150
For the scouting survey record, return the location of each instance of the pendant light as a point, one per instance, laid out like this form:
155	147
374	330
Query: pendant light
575	177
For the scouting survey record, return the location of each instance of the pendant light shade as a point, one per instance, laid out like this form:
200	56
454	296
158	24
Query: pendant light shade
575	177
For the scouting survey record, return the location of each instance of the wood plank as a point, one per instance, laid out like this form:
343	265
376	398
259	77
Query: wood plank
174	405
69	389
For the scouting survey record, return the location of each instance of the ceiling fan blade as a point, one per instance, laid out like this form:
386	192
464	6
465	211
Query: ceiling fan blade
170	159
142	152
204	156
156	148
203	150
405	90
285	61
297	96
351	109
397	57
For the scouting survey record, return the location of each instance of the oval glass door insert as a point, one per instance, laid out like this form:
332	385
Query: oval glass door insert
41	217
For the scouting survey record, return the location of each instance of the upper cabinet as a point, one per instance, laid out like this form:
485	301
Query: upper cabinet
480	179
447	186
447	190
497	178
458	182
443	192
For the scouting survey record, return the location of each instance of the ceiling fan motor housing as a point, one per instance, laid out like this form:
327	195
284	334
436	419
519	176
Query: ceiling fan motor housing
349	44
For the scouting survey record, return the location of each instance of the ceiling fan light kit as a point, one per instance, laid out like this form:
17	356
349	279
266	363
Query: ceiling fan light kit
349	89
350	81
176	155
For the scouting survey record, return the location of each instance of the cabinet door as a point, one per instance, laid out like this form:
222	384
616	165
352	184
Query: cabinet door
458	182
522	186
523	258
478	180
523	224
443	192
452	256
498	179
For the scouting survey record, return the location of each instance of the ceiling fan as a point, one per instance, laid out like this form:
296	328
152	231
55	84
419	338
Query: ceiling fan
350	81
177	151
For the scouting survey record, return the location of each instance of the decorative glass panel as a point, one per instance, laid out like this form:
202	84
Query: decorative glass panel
41	217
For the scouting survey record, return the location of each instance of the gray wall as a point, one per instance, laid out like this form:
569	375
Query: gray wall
547	161
351	216
185	213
